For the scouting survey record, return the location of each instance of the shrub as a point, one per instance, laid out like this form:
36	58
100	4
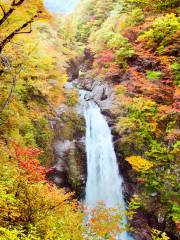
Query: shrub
158	235
176	72
153	75
161	32
136	16
156	5
121	46
139	164
71	97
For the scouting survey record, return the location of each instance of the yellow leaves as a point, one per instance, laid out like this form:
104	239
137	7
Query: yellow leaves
139	164
104	222
119	90
158	235
125	125
144	104
71	97
153	126
52	213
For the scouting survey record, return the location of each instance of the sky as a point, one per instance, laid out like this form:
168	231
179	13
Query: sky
63	6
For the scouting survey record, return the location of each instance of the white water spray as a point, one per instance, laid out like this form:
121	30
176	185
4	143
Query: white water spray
103	181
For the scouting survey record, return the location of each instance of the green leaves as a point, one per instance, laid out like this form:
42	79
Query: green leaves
160	35
176	71
153	75
175	214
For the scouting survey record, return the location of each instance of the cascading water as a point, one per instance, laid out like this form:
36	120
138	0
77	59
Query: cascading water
103	181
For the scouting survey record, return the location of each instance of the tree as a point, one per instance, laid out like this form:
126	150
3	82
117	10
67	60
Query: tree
12	15
31	207
104	222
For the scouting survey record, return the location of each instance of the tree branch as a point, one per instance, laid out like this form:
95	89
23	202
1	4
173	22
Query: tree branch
6	15
13	85
30	30
3	9
18	3
17	31
10	11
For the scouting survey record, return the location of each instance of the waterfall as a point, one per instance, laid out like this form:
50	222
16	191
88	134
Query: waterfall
103	181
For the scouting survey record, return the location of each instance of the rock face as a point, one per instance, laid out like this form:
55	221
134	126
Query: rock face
97	90
69	169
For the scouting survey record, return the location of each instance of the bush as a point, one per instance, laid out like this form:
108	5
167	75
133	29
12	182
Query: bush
176	72
122	47
71	98
153	75
136	16
161	32
139	164
158	235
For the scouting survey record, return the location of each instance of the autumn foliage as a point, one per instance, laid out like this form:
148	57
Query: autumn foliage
29	164
135	46
105	223
139	164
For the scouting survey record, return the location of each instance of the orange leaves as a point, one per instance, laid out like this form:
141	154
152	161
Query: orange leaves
162	91
132	33
26	151
176	104
26	158
177	225
113	70
158	91
105	222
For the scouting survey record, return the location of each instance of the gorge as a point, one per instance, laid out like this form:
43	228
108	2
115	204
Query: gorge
89	120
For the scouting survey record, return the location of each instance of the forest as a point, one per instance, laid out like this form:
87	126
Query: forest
125	54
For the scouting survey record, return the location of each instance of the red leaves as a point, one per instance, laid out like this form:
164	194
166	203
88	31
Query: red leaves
106	56
106	64
93	18
30	166
157	91
177	225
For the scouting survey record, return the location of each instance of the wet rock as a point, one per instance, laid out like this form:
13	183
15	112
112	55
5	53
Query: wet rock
141	228
69	168
87	61
85	83
98	91
68	85
73	70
